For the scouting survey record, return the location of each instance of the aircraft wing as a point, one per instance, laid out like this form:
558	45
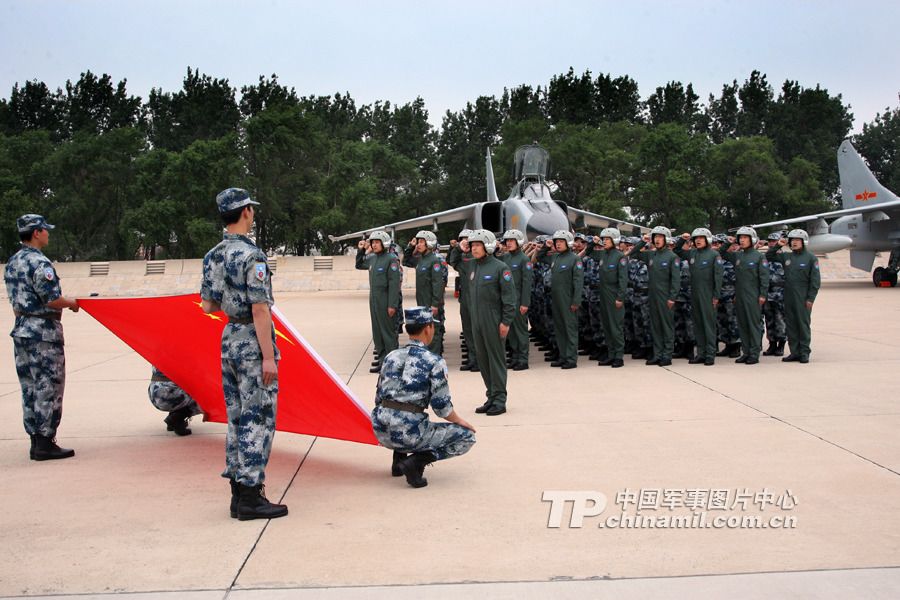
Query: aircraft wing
424	222
885	206
583	218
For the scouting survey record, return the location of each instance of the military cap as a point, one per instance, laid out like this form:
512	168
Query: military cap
418	315
775	236
233	198
30	222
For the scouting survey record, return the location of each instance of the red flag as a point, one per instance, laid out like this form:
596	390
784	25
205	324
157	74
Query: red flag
173	333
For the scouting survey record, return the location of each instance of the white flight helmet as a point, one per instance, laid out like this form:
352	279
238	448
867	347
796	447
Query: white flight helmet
799	234
515	234
562	234
660	230
704	233
381	236
612	233
754	239
429	237
485	237
465	233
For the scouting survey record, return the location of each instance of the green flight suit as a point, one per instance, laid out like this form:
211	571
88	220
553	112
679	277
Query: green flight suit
566	285
664	270
491	290
523	278
612	267
384	293
430	290
706	268
751	272
462	263
801	285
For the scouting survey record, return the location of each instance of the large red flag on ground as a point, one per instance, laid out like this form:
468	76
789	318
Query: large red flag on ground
173	333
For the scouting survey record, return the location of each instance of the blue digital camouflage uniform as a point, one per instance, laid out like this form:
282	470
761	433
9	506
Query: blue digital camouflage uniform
167	396
639	292
776	330
236	276
684	314
416	376
727	317
38	344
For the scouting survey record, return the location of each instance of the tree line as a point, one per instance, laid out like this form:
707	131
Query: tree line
125	177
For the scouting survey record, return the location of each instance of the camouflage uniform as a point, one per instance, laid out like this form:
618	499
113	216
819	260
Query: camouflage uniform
727	317
417	377
166	396
639	289
593	295
684	322
236	276
38	344
773	309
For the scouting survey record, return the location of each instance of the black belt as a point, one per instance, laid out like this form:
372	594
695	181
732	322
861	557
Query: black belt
402	406
50	317
241	320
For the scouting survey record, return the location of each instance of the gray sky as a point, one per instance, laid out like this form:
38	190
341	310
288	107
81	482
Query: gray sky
452	51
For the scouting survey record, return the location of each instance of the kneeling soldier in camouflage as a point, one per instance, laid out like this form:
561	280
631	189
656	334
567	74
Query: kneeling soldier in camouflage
413	378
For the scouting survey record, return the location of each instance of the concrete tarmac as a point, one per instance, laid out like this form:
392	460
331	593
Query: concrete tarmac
143	514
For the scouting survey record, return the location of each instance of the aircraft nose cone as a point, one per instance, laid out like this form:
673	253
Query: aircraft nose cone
547	223
825	243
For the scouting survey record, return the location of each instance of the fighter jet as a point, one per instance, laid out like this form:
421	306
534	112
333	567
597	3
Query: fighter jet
868	223
529	207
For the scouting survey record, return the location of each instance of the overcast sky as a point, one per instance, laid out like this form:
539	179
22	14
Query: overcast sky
450	52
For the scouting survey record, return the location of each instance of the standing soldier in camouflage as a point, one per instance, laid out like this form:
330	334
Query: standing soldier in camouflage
412	379
567	283
752	286
461	260
429	281
491	289
166	396
727	325
523	276
384	292
639	280
776	332
665	281
237	281
32	287
706	286
612	286
801	286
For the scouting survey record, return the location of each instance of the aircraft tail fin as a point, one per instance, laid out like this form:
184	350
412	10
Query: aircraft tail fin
491	186
858	185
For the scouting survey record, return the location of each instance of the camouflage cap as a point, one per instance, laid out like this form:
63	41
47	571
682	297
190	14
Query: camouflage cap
774	237
233	198
30	222
417	315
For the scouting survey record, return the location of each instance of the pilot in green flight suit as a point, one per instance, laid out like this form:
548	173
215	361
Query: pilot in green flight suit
664	270
706	286
801	286
429	283
566	283
751	270
613	270
493	297
523	278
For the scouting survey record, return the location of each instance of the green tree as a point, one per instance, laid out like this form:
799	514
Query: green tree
879	143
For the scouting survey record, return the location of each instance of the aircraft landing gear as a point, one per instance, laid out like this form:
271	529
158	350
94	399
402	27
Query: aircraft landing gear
888	274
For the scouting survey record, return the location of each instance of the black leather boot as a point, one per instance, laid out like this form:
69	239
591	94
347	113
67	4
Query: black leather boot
253	504
414	467
395	463
235	496
46	449
177	421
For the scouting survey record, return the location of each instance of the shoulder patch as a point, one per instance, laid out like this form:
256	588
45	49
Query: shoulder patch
437	266
677	262
529	266
578	264
49	274
720	261
260	271
395	266
623	261
507	276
